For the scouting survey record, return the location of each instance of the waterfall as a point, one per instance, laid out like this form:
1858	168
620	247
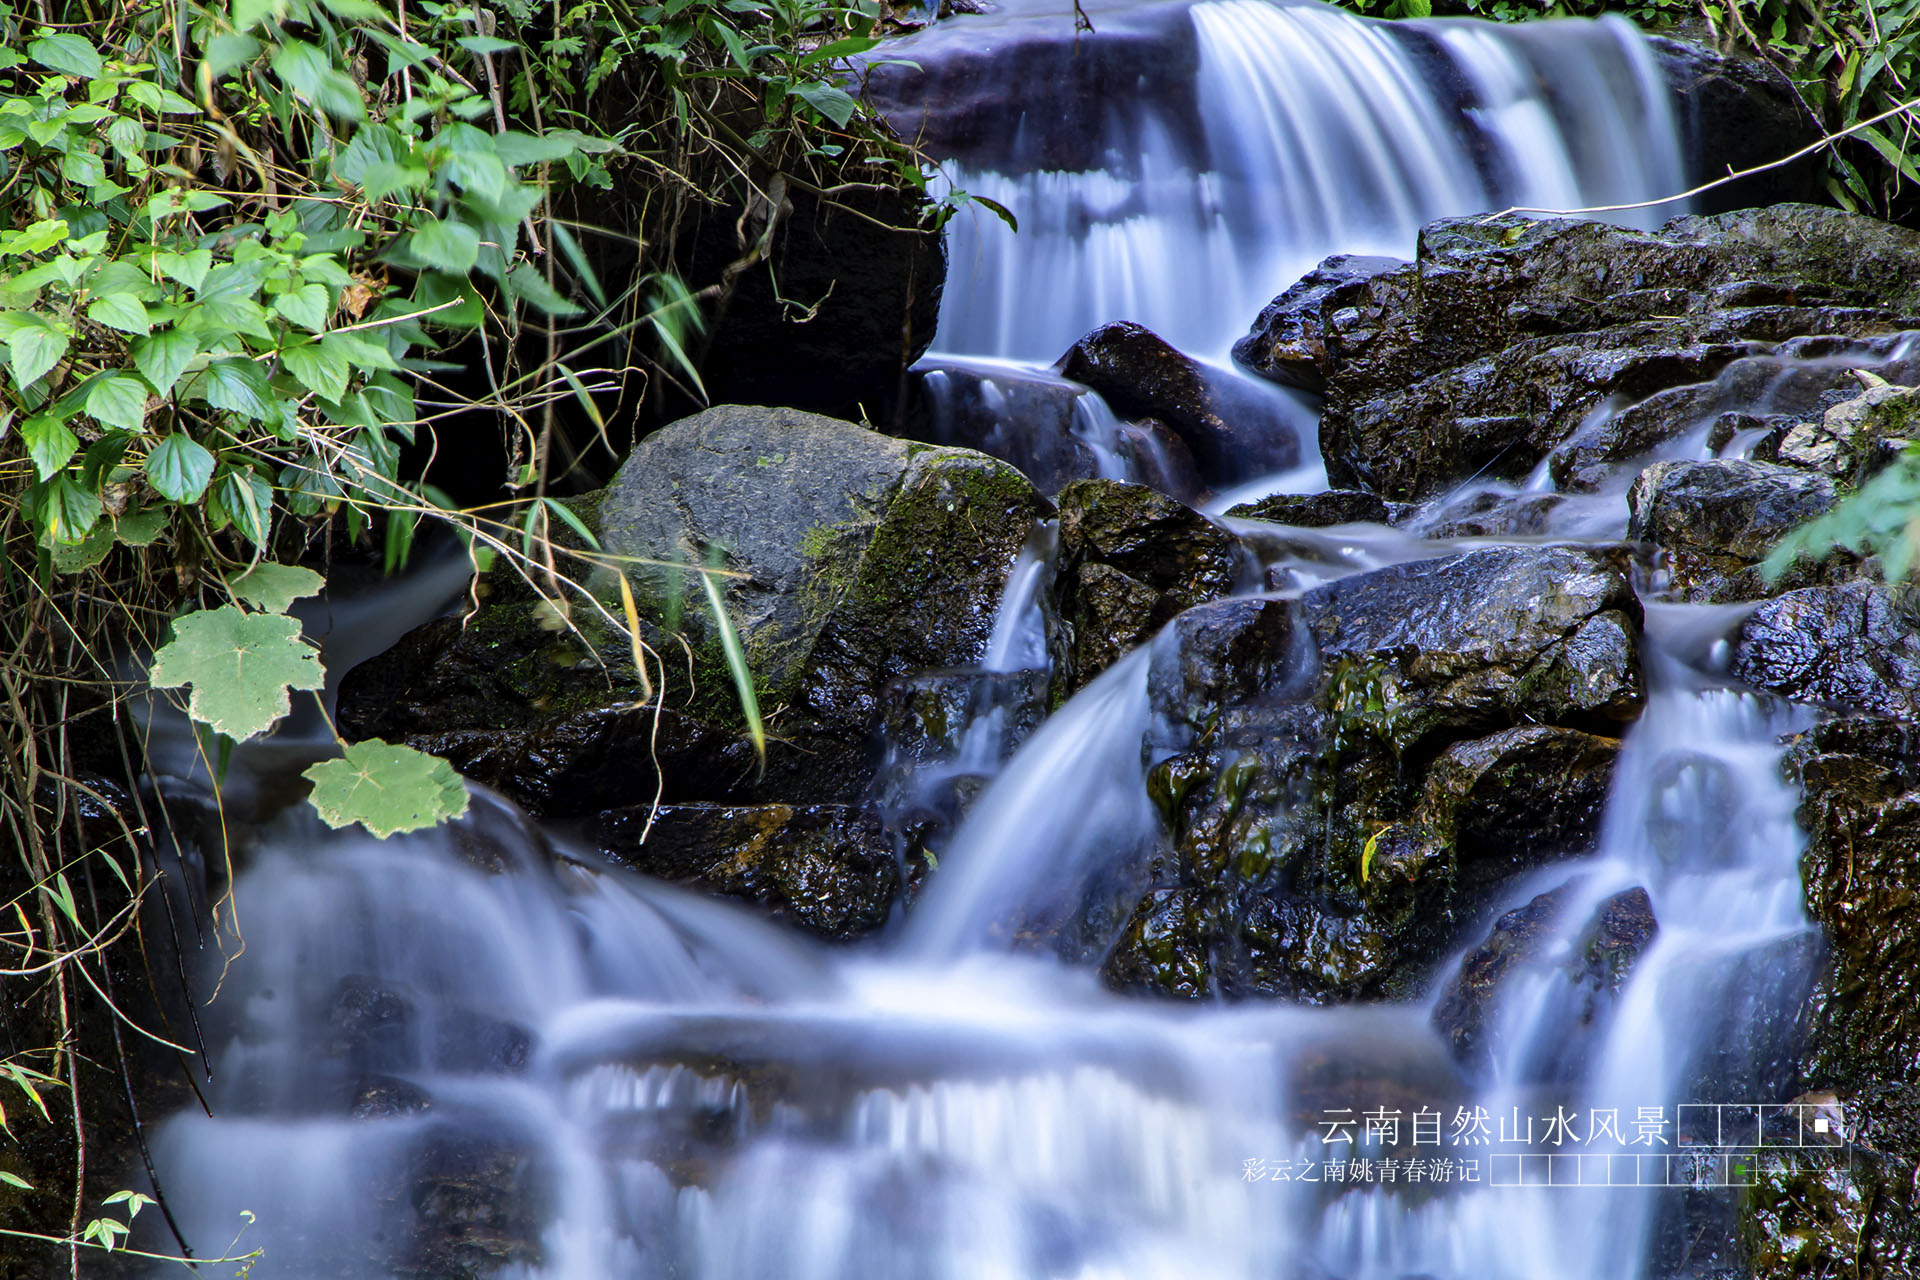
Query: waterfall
1314	133
483	1051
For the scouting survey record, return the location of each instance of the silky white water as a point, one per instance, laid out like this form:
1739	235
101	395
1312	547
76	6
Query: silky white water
522	1062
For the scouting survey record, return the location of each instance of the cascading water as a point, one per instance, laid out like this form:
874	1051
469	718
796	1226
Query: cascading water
472	1052
1314	133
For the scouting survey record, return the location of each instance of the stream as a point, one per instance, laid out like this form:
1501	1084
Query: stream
494	1031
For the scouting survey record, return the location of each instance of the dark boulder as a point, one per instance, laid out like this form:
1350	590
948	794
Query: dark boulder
1506	338
1857	436
1350	777
1033	84
1518	939
1233	431
1489	637
1854	647
827	868
1717	520
1737	114
1288	342
1860	807
1054	430
1130	560
1316	510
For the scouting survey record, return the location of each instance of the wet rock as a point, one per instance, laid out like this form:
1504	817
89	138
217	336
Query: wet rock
1521	937
1232	432
1510	800
952	95
1855	436
1489	637
466	1206
853	558
1817	1213
1622	928
1288	342
1717	520
1505	339
385	1098
1860	807
1737	114
1050	428
827	868
382	1027
1165	948
1316	510
1130	560
1348	777
1854	647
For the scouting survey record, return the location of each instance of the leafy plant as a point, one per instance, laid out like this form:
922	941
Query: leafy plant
236	241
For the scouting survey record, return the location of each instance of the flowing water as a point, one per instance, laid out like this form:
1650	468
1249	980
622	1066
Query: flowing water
479	1050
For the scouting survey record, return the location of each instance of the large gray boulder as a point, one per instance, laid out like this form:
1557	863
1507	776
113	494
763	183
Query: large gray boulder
852	558
1854	647
1717	519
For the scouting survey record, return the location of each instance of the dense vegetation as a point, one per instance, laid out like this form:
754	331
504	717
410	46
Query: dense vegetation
249	256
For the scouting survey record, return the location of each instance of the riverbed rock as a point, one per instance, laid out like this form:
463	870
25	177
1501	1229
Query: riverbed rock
1716	520
1130	560
1854	647
1349	777
828	868
1856	436
1232	431
1288	342
1860	788
851	558
1316	510
1738	113
1519	938
1505	339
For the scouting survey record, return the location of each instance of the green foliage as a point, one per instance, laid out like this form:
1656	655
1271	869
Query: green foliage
1852	61
1881	518
386	788
241	666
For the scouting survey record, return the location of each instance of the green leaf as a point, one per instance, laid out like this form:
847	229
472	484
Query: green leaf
241	666
486	44
313	76
49	443
127	137
69	55
179	468
519	149
319	367
849	47
120	311
143	527
63	509
830	101
238	385
452	247
34	346
118	400
189	268
274	587
737	667
386	789
163	357
308	306
243	498
15	1180
527	284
